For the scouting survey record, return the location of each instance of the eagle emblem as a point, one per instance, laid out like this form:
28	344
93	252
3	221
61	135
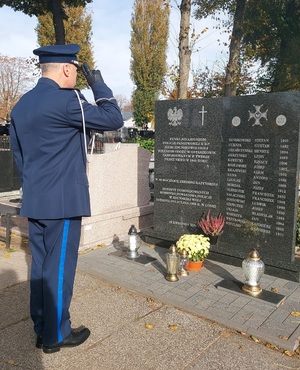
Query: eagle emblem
174	116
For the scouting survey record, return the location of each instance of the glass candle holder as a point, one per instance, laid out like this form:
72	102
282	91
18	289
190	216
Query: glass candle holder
253	269
134	242
172	259
183	264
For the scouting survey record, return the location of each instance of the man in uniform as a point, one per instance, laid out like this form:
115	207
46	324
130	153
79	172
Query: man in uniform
47	140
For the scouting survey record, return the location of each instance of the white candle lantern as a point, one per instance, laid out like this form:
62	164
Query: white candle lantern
253	269
134	242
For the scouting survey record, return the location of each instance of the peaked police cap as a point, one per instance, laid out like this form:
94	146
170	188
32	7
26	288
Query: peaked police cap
57	53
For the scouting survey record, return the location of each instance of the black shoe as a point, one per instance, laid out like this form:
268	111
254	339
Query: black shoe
75	338
39	342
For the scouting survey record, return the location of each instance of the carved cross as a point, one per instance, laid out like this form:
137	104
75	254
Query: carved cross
202	112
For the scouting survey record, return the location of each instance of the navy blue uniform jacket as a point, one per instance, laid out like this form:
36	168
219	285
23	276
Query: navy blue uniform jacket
47	142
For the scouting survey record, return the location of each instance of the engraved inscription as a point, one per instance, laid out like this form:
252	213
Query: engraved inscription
189	150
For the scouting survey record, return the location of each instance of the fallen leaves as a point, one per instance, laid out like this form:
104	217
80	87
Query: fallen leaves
295	313
275	290
149	326
283	337
82	252
98	246
255	339
7	255
170	327
270	345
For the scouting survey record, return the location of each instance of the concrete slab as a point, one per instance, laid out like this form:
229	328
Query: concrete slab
16	296
14	268
232	351
200	294
134	346
120	340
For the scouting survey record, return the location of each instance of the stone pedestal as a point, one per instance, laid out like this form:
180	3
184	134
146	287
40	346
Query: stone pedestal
120	195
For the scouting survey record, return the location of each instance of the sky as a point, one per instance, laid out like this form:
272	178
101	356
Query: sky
111	39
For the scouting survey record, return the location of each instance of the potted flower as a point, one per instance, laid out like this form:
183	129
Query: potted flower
197	247
212	226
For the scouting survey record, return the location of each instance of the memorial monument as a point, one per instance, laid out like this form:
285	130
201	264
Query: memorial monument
238	156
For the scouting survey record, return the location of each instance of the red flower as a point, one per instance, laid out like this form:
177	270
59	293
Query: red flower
212	225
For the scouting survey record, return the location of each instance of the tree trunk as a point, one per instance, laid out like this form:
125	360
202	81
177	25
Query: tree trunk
233	69
184	48
287	73
58	23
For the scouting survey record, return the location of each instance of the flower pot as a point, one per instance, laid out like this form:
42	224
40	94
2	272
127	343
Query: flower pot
195	266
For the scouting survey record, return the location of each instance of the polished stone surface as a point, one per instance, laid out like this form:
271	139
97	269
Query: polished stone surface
266	296
140	258
238	156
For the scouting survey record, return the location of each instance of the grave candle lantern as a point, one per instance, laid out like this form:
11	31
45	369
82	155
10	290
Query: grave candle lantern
253	269
134	242
183	263
172	264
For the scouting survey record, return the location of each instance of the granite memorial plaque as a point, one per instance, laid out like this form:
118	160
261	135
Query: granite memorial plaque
187	163
259	187
238	156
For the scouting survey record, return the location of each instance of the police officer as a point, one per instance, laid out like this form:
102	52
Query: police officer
47	140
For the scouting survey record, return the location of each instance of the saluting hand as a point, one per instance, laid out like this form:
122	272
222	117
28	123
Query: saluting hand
92	76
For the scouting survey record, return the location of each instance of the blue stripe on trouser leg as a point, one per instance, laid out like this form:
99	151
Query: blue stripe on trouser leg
61	269
54	247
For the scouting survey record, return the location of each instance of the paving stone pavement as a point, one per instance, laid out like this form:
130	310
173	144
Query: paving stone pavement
199	293
118	299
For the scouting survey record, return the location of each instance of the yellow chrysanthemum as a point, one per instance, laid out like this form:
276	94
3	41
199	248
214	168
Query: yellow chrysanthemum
196	245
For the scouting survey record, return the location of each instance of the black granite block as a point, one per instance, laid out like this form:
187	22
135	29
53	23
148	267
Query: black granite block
141	259
238	156
266	295
259	175
187	163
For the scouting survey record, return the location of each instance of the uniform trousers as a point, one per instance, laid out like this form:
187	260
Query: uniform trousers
54	247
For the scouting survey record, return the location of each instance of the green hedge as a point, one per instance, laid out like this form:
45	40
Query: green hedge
143	143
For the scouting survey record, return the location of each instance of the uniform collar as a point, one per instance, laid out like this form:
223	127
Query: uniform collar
48	81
